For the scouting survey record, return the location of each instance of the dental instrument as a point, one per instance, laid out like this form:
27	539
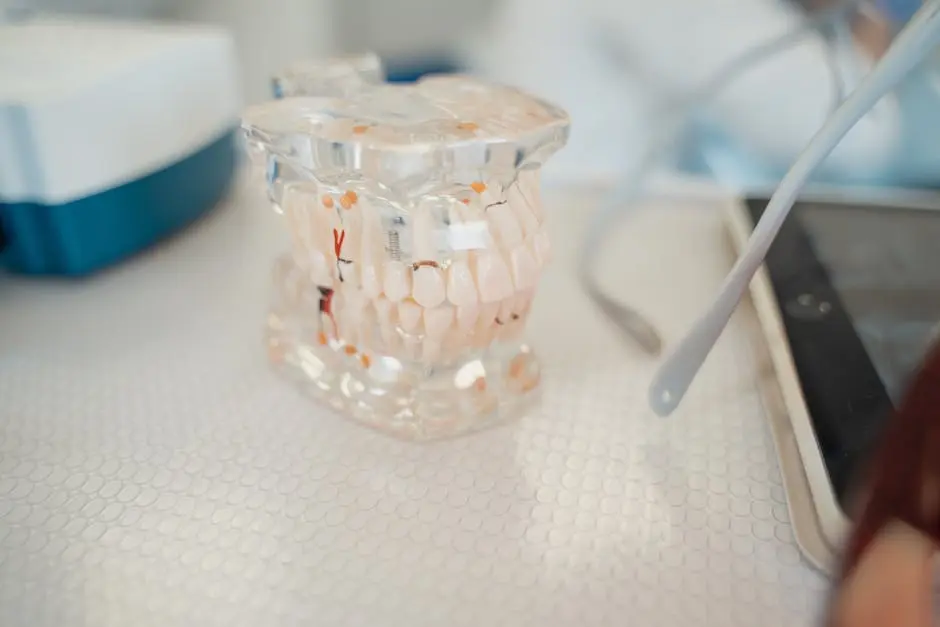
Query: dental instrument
914	43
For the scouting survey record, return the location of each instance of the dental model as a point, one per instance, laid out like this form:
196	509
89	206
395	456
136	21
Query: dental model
416	226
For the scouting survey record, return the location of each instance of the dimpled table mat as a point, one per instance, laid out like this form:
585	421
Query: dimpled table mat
155	471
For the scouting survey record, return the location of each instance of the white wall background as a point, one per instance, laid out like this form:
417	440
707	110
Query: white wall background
408	29
270	33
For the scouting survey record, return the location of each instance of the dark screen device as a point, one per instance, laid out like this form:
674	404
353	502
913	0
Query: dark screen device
858	290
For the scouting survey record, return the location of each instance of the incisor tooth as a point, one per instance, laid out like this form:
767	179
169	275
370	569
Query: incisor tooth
429	289
409	314
461	289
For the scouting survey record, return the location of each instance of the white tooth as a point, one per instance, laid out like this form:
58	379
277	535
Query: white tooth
461	288
429	289
467	317
397	281
409	314
493	279
437	321
543	247
371	280
520	206
504	224
525	269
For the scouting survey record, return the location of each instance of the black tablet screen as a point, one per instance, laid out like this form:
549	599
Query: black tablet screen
859	290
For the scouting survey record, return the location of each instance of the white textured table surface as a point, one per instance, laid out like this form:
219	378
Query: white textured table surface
153	470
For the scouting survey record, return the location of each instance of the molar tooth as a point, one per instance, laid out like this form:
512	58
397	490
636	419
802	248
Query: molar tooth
461	288
429	289
493	278
525	268
397	281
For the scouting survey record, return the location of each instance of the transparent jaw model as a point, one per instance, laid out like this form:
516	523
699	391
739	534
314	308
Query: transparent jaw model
417	244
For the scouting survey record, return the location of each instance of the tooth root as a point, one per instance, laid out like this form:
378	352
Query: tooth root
528	181
429	289
367	324
543	247
397	281
505	226
525	268
493	278
520	207
320	269
423	242
371	280
461	288
409	316
467	317
351	314
369	266
383	312
321	223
